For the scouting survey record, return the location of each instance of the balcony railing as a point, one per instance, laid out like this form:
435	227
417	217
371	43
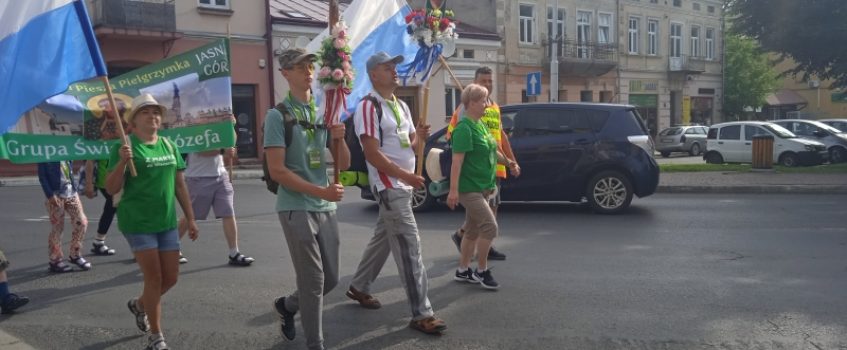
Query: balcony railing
155	15
583	58
589	50
691	64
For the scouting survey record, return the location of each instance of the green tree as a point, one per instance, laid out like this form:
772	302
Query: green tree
811	32
749	75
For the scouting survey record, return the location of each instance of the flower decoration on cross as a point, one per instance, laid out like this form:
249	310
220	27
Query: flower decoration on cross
336	71
434	29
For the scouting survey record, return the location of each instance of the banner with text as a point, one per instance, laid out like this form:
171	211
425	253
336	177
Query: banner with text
194	86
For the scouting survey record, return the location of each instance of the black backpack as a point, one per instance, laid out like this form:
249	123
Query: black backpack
357	155
288	122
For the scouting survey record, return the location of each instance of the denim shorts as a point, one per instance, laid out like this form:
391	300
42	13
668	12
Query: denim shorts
163	241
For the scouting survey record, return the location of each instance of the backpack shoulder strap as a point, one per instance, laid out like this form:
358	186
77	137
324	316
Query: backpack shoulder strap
378	108
288	122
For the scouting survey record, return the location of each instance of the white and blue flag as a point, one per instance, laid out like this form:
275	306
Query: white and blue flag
373	26
45	45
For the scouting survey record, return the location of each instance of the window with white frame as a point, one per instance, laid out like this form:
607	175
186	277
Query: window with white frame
224	4
710	43
633	35
452	99
604	28
695	41
527	23
583	33
652	37
560	23
696	6
676	40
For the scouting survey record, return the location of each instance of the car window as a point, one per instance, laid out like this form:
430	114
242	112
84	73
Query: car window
779	131
597	119
691	131
670	131
703	130
732	132
713	134
533	122
752	130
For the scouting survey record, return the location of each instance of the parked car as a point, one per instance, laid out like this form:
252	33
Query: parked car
689	138
571	151
733	143
840	124
835	140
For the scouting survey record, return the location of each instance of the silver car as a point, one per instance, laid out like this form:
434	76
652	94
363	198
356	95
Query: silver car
691	139
840	124
834	139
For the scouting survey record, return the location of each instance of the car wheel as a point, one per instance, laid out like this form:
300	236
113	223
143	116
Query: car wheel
665	154
714	158
695	149
788	159
609	192
422	200
837	155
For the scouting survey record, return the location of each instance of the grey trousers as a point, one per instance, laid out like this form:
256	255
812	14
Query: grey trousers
312	239
396	233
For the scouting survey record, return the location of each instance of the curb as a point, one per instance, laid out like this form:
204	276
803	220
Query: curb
9	342
764	189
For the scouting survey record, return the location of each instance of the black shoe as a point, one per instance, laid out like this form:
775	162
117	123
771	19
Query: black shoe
485	279
101	249
457	240
493	254
466	276
12	302
286	317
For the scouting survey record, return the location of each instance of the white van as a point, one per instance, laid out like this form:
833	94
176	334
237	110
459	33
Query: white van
733	143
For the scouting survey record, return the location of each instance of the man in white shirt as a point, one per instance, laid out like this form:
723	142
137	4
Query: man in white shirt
388	139
210	188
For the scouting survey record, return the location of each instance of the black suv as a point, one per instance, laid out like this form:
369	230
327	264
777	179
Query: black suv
571	151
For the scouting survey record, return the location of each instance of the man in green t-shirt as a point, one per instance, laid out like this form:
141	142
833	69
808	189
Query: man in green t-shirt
305	198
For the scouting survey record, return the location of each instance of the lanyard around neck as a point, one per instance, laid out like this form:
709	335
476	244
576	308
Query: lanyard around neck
395	111
301	110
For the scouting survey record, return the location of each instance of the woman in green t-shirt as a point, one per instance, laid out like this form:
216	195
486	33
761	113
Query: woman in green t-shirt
472	181
146	213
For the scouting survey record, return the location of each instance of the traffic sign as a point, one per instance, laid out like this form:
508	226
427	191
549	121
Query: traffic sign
533	84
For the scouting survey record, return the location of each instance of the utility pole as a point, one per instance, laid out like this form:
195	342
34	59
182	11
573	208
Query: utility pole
554	53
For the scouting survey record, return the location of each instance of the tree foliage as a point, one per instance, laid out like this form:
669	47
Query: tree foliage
749	76
811	32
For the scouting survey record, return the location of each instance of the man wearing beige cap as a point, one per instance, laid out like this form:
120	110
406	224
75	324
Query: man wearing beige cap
295	147
388	137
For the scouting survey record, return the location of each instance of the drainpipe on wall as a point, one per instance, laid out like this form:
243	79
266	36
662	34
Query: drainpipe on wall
617	94
269	42
723	66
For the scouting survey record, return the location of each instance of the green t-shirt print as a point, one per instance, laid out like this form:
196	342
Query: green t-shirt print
475	141
148	200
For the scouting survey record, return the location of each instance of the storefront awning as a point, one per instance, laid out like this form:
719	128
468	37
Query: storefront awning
785	97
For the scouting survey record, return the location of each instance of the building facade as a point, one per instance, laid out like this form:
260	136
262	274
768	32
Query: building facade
663	56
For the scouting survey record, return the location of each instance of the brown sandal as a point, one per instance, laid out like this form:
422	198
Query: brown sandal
429	325
367	301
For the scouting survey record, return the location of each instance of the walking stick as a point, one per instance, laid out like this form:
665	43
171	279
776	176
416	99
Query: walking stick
336	147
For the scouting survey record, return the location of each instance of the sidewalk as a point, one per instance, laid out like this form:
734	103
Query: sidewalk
694	182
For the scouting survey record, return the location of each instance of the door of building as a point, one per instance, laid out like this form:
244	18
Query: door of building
244	109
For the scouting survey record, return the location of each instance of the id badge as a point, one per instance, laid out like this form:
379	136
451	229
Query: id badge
314	158
404	139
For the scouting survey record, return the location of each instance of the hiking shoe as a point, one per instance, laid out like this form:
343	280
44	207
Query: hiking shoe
286	317
101	249
494	254
12	302
367	301
485	279
466	276
457	240
430	325
240	260
140	317
156	342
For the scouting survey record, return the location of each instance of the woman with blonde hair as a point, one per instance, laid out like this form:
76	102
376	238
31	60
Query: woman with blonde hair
472	182
146	214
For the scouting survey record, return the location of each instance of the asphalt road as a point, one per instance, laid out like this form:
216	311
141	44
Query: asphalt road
678	271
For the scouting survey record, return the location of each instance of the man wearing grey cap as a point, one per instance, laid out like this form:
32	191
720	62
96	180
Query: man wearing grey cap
388	137
305	198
